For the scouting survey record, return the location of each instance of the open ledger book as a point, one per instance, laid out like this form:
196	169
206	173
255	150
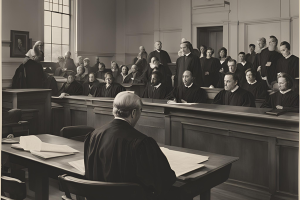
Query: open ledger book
44	150
180	162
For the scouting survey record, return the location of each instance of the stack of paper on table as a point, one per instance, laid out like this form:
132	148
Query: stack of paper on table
45	150
180	162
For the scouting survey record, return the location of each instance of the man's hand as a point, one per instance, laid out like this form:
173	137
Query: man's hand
279	107
206	73
259	68
63	95
10	136
183	101
171	101
221	70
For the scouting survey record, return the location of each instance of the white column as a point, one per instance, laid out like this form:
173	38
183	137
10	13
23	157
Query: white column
187	21
242	38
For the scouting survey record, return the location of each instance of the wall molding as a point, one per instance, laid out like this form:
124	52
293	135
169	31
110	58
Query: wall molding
141	33
170	30
265	20
86	53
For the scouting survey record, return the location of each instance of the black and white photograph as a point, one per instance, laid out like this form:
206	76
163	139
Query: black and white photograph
150	99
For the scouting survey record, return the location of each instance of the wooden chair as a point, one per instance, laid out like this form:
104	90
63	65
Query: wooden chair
76	132
93	190
14	187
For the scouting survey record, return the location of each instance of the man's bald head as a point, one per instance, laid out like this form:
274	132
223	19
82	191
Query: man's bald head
183	40
142	48
128	106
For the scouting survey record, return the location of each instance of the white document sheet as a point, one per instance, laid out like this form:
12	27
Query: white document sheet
182	162
33	143
47	155
78	164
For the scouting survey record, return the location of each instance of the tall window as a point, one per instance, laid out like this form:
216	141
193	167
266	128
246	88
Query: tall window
56	28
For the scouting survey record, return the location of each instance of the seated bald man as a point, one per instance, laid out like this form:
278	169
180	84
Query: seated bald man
117	152
233	94
188	91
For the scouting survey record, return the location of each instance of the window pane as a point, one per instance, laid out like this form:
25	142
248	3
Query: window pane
50	6
47	52
55	7
55	1
65	36
66	21
47	18
50	0
46	5
56	19
65	48
47	34
56	51
56	35
66	2
66	9
60	8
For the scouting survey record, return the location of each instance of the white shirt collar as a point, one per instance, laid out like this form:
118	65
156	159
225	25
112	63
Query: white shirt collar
122	119
264	48
284	92
157	50
188	54
244	63
221	61
288	56
189	85
157	86
235	89
252	83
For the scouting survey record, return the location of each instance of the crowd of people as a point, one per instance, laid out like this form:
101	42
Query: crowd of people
266	74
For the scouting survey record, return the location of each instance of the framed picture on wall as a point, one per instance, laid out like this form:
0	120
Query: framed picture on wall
19	43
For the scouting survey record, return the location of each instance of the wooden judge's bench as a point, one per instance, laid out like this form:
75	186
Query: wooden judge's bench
267	146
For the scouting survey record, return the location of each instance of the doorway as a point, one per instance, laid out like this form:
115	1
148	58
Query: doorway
210	37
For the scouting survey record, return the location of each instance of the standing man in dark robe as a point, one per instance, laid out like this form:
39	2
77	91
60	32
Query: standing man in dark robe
111	89
101	72
262	44
243	65
133	76
268	61
133	157
188	62
285	98
257	88
250	57
211	69
141	62
188	92
163	58
90	86
69	62
288	64
96	65
232	94
71	87
155	89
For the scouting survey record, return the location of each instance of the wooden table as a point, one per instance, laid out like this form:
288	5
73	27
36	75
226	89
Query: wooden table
266	145
215	172
39	99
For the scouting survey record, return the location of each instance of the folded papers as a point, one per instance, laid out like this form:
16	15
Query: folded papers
180	162
44	150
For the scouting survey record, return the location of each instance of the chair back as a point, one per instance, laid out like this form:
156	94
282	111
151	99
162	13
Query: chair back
96	190
14	187
76	132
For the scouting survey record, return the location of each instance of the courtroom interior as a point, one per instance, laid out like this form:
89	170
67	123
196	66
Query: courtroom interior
150	99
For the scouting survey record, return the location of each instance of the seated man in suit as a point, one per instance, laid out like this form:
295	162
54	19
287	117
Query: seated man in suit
69	62
111	89
101	72
188	92
233	94
257	87
87	67
285	98
133	76
133	157
71	87
81	75
89	87
250	57
155	89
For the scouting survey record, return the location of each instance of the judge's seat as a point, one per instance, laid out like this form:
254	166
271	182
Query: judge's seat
76	132
14	187
96	190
